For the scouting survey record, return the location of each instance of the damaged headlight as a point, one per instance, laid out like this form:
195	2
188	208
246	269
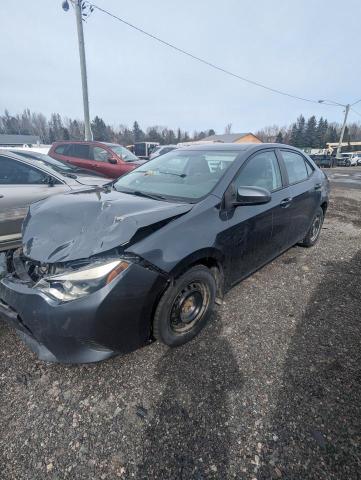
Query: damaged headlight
75	284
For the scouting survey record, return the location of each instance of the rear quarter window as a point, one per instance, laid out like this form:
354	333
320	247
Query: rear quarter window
61	149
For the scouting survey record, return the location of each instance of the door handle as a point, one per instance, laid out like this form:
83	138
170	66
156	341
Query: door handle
286	202
318	186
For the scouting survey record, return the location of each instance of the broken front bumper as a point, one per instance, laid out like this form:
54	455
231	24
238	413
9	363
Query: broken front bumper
115	319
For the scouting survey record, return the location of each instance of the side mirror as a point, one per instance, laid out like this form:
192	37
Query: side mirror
252	196
111	159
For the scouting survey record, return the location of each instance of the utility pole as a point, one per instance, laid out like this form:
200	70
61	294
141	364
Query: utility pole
338	154
84	81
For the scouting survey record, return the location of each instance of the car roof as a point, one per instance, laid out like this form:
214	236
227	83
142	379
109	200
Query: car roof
241	147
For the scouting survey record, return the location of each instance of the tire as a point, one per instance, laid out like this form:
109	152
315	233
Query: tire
348	163
185	307
313	233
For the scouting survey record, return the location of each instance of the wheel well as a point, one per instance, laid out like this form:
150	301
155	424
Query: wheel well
324	206
217	271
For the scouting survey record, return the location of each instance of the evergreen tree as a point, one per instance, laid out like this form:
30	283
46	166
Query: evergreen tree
310	135
99	130
294	135
211	132
138	133
279	138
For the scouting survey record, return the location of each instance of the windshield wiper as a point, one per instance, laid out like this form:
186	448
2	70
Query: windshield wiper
138	193
154	196
181	175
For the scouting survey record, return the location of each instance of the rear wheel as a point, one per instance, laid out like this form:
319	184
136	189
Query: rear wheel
315	229
185	307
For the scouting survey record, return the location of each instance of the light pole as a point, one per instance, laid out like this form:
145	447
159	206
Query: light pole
338	153
347	109
84	81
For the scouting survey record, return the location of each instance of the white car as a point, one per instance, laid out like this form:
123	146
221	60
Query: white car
161	150
351	159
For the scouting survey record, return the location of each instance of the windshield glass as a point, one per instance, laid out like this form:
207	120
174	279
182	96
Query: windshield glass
187	175
50	162
124	153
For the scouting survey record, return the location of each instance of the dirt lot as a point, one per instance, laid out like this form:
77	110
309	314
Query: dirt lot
271	389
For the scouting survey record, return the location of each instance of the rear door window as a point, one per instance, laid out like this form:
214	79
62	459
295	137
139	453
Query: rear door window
61	149
13	172
296	166
79	150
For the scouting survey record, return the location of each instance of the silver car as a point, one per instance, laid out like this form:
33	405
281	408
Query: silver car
26	177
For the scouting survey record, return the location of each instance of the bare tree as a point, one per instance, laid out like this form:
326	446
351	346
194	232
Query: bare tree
228	129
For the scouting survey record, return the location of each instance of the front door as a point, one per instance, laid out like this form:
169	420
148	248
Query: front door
250	236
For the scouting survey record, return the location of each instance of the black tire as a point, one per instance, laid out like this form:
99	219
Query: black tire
348	163
313	233
175	323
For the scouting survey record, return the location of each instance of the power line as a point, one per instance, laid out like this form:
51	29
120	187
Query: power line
355	111
358	101
205	62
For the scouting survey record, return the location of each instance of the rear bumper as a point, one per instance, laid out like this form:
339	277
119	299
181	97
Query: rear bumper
115	319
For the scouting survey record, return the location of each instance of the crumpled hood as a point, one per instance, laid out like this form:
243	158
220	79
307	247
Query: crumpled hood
80	224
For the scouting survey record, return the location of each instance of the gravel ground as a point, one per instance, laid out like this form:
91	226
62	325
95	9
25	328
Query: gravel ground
271	389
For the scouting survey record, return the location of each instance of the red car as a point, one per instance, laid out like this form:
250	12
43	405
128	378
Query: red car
110	159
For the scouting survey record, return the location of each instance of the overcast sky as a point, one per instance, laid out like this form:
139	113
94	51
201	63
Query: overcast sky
309	48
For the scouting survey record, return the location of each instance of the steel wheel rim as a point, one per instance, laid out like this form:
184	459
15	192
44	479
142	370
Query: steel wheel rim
189	307
316	228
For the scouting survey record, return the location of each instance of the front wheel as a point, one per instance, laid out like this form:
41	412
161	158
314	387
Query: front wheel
185	307
315	229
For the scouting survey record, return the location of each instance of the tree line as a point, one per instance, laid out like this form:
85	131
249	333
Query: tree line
56	128
312	132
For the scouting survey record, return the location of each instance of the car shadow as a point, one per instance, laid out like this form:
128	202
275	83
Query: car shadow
188	435
315	431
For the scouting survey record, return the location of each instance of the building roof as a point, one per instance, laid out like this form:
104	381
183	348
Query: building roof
7	139
227	137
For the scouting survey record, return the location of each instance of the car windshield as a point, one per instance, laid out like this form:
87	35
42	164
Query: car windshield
180	174
124	153
49	162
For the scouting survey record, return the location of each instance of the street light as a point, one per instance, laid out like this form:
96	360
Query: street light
347	109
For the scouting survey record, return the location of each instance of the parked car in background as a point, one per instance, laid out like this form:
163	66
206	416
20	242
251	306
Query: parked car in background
348	159
26	180
148	256
323	161
64	167
161	150
144	149
110	159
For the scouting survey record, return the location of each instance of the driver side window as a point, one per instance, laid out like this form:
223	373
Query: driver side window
100	154
262	170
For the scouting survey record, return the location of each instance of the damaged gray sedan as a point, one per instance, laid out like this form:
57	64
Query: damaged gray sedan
106	270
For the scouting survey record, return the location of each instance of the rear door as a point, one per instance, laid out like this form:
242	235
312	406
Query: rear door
20	185
305	194
79	154
257	233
